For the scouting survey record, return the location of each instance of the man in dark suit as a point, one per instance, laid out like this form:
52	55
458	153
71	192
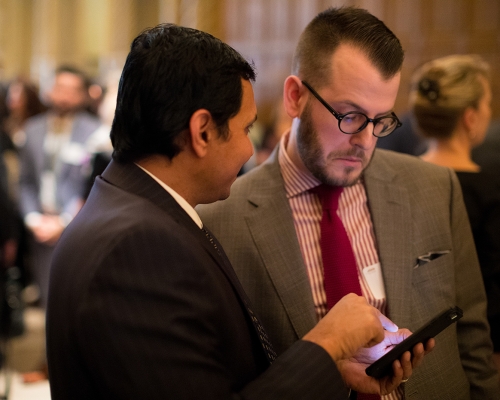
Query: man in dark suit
143	302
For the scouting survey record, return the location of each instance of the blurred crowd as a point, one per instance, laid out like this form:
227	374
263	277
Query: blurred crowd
52	145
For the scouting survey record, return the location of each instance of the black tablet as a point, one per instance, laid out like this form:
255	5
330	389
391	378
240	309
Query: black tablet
383	366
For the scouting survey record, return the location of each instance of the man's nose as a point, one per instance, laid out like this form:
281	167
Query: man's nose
365	138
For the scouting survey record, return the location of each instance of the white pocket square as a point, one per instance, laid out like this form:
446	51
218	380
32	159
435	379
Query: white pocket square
424	259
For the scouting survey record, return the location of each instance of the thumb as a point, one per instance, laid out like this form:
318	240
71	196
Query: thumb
387	323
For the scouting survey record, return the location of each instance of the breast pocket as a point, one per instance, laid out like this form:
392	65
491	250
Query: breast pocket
433	281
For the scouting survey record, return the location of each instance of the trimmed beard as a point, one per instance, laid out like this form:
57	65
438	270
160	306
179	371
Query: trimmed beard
310	152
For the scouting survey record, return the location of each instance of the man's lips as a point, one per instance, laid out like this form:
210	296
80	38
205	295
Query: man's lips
350	160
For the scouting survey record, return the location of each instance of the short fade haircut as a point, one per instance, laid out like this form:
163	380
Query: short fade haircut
170	72
442	89
345	25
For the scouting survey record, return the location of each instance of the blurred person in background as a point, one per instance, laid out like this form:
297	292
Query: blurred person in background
487	154
280	123
99	143
451	103
22	101
52	179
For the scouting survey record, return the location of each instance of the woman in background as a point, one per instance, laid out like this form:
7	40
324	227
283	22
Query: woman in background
22	102
451	103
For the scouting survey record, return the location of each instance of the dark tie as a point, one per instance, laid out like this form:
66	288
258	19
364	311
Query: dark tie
261	332
339	264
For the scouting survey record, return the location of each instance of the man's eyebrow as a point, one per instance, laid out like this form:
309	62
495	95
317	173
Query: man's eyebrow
357	107
252	122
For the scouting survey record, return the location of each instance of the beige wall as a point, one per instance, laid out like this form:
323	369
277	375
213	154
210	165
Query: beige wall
38	35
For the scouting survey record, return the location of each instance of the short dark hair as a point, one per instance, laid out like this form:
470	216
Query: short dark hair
170	72
345	25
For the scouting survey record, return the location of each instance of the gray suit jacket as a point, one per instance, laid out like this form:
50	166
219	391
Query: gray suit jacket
70	178
416	208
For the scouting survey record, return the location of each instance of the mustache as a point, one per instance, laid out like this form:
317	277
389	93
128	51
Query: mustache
352	152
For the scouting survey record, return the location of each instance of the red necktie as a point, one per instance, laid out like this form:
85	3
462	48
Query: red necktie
339	264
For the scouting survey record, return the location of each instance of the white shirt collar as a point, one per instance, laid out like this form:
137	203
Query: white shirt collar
178	198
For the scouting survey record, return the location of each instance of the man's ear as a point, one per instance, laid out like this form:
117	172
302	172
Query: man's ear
200	129
294	96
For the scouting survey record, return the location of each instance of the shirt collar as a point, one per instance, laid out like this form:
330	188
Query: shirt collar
296	181
178	198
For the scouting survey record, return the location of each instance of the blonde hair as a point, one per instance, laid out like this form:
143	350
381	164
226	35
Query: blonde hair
443	89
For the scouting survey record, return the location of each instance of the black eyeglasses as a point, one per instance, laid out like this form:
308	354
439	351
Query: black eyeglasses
355	121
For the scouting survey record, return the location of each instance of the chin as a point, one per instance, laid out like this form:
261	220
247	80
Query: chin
224	196
345	177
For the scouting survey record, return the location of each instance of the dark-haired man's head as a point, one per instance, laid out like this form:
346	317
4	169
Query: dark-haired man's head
170	73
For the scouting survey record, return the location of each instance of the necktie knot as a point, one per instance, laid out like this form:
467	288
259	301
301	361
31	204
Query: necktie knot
328	195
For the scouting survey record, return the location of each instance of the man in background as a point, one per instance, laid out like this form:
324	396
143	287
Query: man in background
406	240
52	181
143	302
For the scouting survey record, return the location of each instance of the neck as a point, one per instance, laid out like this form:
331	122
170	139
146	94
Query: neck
174	174
292	147
454	153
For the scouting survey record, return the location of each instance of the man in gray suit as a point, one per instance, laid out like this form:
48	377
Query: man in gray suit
405	219
51	161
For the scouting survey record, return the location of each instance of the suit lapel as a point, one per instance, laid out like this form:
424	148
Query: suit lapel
391	212
281	254
131	178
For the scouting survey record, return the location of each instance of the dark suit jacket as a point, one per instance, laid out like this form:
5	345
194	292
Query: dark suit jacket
416	208
141	306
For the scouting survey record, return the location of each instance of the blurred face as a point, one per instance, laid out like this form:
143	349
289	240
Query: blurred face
483	113
230	154
16	98
68	94
355	85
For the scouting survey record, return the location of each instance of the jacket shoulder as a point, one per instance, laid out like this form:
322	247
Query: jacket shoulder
35	121
404	165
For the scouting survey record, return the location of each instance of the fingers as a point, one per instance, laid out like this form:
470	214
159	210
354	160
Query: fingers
390	383
397	337
387	323
407	364
418	355
429	346
351	324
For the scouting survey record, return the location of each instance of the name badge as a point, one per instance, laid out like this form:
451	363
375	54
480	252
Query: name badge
373	277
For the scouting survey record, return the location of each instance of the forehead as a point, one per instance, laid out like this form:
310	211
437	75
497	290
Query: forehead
248	109
69	79
354	79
